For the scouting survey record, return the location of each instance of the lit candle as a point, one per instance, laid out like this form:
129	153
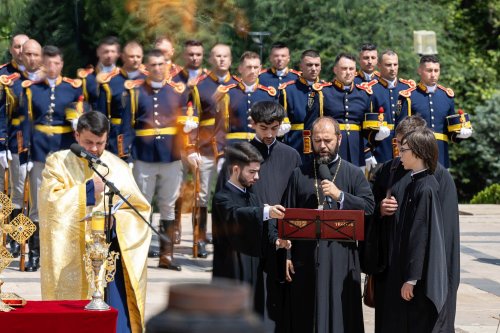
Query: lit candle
98	221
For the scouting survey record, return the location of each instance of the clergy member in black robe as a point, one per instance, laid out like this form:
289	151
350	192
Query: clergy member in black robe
416	284
385	239
326	300
240	232
279	161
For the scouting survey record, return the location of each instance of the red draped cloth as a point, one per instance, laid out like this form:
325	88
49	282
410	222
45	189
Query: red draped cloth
58	317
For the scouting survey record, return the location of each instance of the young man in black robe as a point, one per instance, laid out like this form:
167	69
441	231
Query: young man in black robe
385	219
240	230
279	161
325	290
417	279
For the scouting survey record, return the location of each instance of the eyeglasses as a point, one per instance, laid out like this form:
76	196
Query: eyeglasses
402	150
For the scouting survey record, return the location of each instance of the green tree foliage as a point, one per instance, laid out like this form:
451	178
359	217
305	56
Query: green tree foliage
490	195
10	13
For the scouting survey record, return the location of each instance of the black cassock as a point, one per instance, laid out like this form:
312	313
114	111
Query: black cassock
383	246
336	288
237	237
279	162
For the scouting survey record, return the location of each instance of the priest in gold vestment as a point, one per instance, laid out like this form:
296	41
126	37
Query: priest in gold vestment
70	190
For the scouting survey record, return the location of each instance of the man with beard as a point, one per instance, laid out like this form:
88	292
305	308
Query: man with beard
240	223
325	276
376	259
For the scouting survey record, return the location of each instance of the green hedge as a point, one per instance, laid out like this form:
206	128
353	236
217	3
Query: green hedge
490	195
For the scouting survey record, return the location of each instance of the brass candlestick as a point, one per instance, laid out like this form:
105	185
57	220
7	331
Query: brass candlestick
97	255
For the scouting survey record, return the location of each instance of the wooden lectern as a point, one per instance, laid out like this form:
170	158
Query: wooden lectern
315	224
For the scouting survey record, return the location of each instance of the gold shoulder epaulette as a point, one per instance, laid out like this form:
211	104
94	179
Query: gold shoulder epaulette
407	93
82	73
27	83
202	77
263	70
102	78
367	86
299	73
448	91
143	70
8	80
225	88
179	87
236	78
75	83
376	73
286	84
270	90
318	86
131	84
410	82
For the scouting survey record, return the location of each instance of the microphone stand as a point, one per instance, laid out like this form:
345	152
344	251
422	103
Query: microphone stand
112	188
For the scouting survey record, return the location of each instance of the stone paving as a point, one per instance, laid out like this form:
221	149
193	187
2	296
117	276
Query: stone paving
478	307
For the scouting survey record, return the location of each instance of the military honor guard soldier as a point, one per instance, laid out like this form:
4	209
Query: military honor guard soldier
279	72
368	58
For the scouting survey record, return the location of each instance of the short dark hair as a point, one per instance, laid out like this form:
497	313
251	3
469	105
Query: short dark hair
279	45
242	154
368	47
93	121
344	55
132	43
423	144
267	112
309	53
192	42
249	55
153	53
334	122
409	124
52	51
386	52
429	58
109	40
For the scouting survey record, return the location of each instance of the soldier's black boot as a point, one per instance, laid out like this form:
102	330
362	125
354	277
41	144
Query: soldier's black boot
15	248
34	253
202	235
178	219
167	247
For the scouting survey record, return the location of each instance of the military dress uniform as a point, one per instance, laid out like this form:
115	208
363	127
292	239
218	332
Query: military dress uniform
348	106
155	112
271	77
364	77
434	107
111	102
303	102
235	104
47	124
204	96
90	84
386	96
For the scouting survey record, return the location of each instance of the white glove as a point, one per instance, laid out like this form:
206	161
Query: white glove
74	123
371	162
28	167
190	125
383	132
194	159
131	165
284	128
5	157
220	163
465	133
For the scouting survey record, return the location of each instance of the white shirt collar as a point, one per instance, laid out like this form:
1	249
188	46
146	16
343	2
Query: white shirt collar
21	67
431	89
156	85
281	72
250	88
244	190
268	146
391	84
106	69
368	77
33	76
413	173
193	73
52	82
133	75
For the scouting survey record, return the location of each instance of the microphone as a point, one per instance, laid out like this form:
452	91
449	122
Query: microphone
81	152
324	173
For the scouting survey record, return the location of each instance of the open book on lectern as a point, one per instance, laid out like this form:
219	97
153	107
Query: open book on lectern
317	224
114	209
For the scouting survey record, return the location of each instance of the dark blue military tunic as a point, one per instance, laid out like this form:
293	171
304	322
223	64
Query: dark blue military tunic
387	99
44	109
434	108
269	77
112	103
360	77
348	107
